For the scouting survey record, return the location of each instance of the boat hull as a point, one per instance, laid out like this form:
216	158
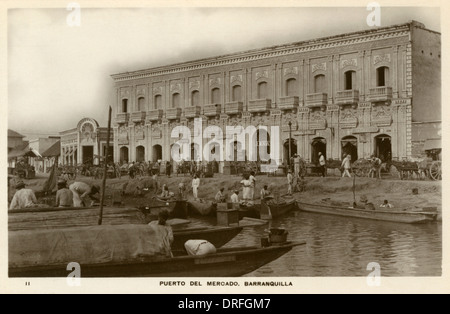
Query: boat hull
231	262
381	215
270	210
201	209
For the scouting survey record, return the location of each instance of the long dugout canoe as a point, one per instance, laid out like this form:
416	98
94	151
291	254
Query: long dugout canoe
402	216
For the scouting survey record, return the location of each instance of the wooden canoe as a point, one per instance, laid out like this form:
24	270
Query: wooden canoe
251	210
393	215
176	209
272	209
70	217
230	262
204	208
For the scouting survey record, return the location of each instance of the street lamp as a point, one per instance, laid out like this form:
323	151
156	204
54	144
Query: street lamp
290	142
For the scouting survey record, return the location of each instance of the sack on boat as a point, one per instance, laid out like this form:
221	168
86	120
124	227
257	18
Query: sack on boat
199	247
84	245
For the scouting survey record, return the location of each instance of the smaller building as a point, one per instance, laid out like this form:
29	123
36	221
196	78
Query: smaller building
14	140
39	146
85	144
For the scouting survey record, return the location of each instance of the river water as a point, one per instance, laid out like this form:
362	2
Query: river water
340	246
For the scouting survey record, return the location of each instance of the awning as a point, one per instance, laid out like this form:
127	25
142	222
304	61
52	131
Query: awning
33	153
432	144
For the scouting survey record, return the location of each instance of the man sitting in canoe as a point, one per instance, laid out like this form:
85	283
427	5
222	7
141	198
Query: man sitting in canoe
265	193
235	197
220	197
161	227
64	196
23	198
363	204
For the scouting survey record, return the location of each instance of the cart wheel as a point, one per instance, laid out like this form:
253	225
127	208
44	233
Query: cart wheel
436	170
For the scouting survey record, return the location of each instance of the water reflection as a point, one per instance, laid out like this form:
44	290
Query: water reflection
339	246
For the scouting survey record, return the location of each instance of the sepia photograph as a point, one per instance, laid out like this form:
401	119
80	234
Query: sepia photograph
222	147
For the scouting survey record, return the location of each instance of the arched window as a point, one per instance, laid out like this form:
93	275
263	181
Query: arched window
157	153
349	80
320	84
236	94
262	90
195	98
291	87
176	100
124	154
140	153
382	76
141	104
318	145
124	105
215	96
158	102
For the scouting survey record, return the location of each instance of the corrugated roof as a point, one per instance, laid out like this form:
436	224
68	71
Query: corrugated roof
52	151
12	133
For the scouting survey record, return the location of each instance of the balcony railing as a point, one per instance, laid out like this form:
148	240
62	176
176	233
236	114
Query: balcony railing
192	112
173	113
347	97
235	107
155	115
380	94
138	116
212	110
318	99
259	105
288	103
122	117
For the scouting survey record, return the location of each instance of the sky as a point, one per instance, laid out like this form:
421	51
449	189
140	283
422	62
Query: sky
59	74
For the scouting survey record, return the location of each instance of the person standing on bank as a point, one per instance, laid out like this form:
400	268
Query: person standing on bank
253	184
290	180
235	197
346	164
195	186
322	164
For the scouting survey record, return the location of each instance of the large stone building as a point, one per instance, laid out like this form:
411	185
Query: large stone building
85	144
369	92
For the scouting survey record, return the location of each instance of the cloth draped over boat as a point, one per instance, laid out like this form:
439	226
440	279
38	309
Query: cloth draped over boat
84	245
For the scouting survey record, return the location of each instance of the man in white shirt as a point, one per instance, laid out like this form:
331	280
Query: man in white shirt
253	184
235	197
220	198
195	185
23	198
290	180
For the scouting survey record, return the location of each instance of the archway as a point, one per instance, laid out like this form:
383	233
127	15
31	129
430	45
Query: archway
349	146
140	153
157	153
124	154
383	147
318	145
286	155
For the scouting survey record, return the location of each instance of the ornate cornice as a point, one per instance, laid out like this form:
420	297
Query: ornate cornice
270	52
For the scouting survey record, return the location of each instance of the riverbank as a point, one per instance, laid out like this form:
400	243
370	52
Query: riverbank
399	193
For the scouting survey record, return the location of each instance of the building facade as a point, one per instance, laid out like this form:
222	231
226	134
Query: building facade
362	93
85	144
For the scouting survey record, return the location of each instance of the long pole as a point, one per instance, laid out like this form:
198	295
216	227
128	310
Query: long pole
105	172
290	143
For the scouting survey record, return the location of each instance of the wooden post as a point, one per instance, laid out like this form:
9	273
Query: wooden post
105	172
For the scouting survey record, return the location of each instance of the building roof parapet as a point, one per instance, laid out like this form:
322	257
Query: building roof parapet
269	52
